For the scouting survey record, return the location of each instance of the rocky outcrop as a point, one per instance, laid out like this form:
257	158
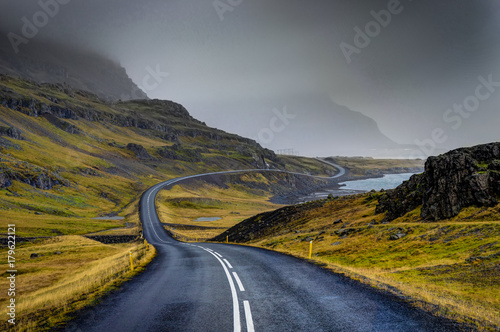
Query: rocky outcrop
113	239
452	181
177	152
139	151
35	176
268	223
61	124
405	198
11	132
5	180
457	179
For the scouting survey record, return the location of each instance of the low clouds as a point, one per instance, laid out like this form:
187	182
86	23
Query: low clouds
424	60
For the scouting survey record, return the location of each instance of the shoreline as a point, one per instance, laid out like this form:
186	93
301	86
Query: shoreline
336	189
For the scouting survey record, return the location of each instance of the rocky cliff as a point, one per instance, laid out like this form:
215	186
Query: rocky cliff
452	181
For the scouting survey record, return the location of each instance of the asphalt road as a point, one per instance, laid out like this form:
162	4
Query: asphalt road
220	287
340	168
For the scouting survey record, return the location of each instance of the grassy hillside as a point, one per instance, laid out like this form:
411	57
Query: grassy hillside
70	272
450	267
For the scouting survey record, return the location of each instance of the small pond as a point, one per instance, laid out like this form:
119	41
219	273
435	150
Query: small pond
208	219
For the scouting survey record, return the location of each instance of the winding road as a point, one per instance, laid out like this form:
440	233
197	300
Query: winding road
222	287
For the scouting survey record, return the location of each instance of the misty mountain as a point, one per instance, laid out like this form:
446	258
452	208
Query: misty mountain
312	125
327	126
82	70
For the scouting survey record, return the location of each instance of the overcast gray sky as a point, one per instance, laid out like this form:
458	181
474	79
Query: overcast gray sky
232	62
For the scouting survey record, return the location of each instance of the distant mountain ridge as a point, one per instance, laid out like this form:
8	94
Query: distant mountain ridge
320	124
44	62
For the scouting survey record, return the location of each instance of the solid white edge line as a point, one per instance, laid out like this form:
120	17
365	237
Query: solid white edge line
248	316
228	264
215	252
236	304
238	281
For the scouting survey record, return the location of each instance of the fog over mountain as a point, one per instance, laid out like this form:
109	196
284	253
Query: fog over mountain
79	69
427	72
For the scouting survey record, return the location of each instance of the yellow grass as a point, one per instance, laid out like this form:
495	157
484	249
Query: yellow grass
232	205
428	266
50	287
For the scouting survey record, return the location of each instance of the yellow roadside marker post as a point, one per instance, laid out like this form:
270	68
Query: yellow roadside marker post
227	239
310	249
131	261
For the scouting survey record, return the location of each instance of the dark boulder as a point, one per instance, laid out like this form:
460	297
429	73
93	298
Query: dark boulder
5	180
139	151
397	236
11	132
456	180
452	181
407	197
61	124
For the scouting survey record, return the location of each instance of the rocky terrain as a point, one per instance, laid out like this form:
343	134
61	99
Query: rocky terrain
269	223
452	181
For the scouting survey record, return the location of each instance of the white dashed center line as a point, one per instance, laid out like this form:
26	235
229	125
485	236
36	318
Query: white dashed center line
228	264
238	281
236	303
248	316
